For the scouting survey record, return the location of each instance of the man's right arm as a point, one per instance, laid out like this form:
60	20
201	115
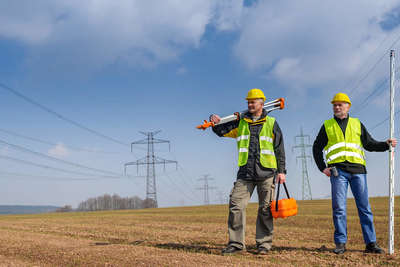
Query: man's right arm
318	146
228	129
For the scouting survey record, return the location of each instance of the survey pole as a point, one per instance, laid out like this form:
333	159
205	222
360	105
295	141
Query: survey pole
391	157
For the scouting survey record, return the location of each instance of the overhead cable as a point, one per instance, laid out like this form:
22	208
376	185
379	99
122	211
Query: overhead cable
61	117
54	144
26	150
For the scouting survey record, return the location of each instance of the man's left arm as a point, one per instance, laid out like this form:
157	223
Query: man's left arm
279	150
371	145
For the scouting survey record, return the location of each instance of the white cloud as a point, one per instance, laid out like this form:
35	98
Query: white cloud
228	14
300	44
26	21
286	65
58	150
93	34
313	43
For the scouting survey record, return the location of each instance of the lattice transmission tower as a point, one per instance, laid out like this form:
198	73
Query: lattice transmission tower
206	188
302	145
150	161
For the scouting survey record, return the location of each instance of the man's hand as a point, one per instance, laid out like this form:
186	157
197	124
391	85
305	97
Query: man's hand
392	142
281	178
215	118
327	172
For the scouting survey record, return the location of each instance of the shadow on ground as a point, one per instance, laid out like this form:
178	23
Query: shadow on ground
191	248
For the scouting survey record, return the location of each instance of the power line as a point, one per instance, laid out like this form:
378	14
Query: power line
26	150
61	117
379	90
45	177
364	103
184	174
54	168
54	144
382	122
184	177
187	187
179	189
370	56
367	74
374	66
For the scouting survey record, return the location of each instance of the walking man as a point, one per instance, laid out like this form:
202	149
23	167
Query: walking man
261	158
343	139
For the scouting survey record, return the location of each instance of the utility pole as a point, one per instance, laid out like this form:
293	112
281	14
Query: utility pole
306	188
206	187
391	157
150	161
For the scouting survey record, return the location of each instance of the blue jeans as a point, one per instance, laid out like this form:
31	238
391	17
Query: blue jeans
358	185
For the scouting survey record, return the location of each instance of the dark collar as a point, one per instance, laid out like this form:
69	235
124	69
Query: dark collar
248	115
342	120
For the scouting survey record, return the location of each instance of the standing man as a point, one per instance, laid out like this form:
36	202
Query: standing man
342	140
261	158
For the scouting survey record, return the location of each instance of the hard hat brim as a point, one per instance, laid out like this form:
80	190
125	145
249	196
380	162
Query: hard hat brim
343	101
252	98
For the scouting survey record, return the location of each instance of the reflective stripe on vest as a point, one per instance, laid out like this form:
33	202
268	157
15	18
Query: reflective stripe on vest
344	148
267	155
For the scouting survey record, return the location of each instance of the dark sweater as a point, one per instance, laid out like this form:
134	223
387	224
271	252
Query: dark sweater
368	142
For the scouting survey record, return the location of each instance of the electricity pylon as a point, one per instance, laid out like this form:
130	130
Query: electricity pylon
206	187
306	188
150	160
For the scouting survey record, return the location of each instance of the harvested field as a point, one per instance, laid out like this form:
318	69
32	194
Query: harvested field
187	236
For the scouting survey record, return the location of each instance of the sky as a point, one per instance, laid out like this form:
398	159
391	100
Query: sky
121	67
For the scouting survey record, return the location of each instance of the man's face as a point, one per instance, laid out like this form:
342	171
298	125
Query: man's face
255	105
341	109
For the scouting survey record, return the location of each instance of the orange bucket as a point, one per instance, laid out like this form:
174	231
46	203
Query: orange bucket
285	207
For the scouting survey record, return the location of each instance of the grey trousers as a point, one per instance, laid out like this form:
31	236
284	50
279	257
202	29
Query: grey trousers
239	198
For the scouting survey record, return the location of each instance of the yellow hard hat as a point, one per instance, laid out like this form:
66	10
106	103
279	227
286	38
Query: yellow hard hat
255	94
341	97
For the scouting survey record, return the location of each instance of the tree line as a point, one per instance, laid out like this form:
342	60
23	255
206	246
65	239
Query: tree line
115	202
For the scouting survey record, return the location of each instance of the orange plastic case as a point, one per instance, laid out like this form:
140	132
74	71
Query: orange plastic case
285	207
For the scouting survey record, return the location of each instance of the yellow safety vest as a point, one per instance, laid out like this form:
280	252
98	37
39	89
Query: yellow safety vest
266	141
344	148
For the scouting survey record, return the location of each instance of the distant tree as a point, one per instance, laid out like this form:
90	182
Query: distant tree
136	203
66	208
148	203
114	202
107	202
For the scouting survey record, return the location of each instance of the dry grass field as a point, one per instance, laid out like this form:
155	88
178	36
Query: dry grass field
188	236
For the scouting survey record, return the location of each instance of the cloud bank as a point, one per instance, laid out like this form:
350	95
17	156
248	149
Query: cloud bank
300	44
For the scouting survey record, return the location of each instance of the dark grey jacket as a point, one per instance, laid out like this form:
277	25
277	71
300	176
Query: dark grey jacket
253	170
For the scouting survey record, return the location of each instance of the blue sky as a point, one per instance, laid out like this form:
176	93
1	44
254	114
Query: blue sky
128	66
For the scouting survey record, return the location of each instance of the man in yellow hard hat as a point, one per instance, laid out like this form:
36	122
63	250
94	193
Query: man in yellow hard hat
261	158
343	139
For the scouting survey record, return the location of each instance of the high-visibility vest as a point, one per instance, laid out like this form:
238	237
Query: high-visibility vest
266	141
344	148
